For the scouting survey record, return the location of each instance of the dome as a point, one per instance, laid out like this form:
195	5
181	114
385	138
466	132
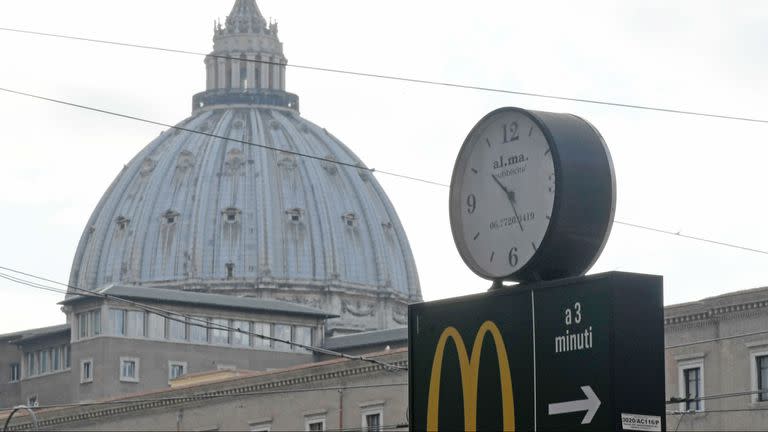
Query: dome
211	206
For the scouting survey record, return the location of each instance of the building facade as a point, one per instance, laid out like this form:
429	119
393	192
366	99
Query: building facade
717	362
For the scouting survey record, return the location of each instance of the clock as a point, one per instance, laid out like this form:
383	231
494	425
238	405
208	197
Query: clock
532	196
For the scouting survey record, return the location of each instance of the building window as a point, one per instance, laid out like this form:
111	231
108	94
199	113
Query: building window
294	214
304	337
372	421
44	361
260	425
350	219
31	369
282	331
197	329
262	329
48	360
89	323
761	368
177	327
95	322
219	335
122	222
170	217
372	413
176	369
156	326
56	358
15	372
135	324
241	339
314	421
129	369
32	401
117	321
692	380
231	215
86	371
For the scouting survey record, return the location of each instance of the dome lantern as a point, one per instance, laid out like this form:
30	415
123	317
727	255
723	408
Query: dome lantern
247	65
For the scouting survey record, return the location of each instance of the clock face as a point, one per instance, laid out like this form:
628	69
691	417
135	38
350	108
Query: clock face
502	193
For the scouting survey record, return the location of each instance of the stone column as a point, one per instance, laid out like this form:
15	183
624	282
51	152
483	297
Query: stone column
210	73
222	73
264	69
283	64
274	81
235	70
251	68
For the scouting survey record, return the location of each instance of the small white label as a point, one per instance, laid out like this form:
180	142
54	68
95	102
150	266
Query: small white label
639	422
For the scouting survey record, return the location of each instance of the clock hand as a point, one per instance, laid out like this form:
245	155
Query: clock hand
511	198
519	222
500	185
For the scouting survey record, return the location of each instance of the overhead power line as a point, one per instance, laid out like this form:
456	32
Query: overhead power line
717	339
212	135
690	237
176	316
372	170
400	78
715	396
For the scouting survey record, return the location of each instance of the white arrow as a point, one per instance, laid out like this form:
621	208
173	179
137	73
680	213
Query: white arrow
590	405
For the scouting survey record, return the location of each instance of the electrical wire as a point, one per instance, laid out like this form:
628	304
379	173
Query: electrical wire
372	170
212	135
198	322
715	396
717	411
716	339
207	325
399	78
701	239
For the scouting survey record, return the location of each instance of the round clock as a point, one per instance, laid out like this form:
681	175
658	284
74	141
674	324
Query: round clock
532	196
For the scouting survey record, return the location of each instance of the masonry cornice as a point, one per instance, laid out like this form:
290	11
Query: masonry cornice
333	369
719	313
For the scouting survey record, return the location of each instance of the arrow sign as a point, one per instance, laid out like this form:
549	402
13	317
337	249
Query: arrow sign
590	405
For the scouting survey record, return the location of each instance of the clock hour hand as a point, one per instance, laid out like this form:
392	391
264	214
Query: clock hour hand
511	198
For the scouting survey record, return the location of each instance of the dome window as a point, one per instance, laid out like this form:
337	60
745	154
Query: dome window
231	215
170	217
350	219
230	270
122	222
295	215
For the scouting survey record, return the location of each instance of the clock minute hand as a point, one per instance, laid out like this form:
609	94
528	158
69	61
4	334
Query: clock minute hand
511	198
500	185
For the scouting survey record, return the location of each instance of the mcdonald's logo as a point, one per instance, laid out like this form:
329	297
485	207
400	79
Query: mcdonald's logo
469	367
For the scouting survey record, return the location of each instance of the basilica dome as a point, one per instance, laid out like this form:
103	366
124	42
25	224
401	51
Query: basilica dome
245	197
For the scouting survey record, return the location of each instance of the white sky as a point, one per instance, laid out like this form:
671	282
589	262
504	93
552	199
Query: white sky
701	176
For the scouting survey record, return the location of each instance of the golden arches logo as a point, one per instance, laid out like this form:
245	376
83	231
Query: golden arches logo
469	367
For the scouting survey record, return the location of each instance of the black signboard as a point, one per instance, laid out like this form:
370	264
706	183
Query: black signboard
584	353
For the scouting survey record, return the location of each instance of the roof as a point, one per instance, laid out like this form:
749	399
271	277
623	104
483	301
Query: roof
25	335
730	299
368	338
198	209
204	299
